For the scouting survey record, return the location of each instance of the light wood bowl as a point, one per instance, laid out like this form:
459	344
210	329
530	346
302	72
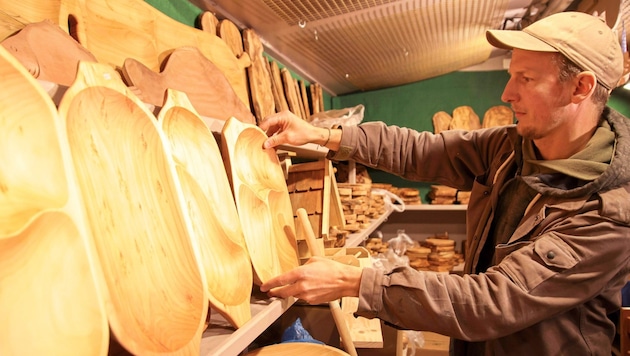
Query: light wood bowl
262	199
211	207
297	348
157	301
49	297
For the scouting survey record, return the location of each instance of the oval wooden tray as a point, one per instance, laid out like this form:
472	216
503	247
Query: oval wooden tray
262	199
211	208
156	301
49	298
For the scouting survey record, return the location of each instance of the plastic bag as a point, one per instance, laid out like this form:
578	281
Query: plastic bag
347	117
390	198
400	243
411	340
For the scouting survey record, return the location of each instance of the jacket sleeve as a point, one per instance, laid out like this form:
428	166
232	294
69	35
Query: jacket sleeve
556	272
451	158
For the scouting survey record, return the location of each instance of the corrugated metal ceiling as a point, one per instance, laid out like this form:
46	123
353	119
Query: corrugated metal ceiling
360	45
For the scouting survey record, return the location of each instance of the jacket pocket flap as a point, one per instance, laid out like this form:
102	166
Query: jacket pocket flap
554	252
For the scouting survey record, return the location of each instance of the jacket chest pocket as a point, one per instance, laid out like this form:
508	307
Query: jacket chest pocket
529	263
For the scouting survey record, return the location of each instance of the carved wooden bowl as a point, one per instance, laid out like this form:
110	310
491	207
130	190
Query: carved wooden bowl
262	199
297	348
49	300
157	301
211	207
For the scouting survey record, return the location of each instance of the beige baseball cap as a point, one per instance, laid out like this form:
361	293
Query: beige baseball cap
585	39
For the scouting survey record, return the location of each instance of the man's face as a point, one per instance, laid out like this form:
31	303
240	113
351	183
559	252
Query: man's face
536	94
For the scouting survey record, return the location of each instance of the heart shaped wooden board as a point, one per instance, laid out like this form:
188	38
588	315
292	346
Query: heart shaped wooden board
211	208
188	71
262	199
157	301
47	278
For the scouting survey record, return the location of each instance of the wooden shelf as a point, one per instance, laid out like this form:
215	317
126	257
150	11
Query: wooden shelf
221	339
355	239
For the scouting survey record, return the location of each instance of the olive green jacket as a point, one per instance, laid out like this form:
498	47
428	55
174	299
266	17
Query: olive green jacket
552	284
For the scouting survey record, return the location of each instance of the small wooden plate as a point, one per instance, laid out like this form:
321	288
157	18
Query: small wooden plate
262	199
211	208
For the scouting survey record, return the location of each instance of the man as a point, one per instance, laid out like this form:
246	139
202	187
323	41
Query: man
548	223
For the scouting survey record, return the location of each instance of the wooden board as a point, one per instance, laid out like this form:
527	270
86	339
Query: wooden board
229	33
464	118
50	287
211	208
188	71
47	52
208	22
499	115
157	300
441	121
290	92
279	97
259	79
114	30
262	199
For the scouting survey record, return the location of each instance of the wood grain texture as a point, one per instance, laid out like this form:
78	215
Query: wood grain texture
260	87
157	301
114	30
211	208
278	89
262	199
48	277
231	35
47	52
290	92
187	70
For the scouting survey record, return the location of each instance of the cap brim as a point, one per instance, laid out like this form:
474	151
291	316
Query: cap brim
510	39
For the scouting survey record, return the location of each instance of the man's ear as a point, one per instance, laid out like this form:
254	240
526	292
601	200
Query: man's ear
585	83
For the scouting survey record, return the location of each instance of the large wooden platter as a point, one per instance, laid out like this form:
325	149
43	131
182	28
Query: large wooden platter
156	301
187	70
114	30
262	199
49	295
211	207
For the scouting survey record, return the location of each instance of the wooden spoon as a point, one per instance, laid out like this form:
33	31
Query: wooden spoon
211	208
157	301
